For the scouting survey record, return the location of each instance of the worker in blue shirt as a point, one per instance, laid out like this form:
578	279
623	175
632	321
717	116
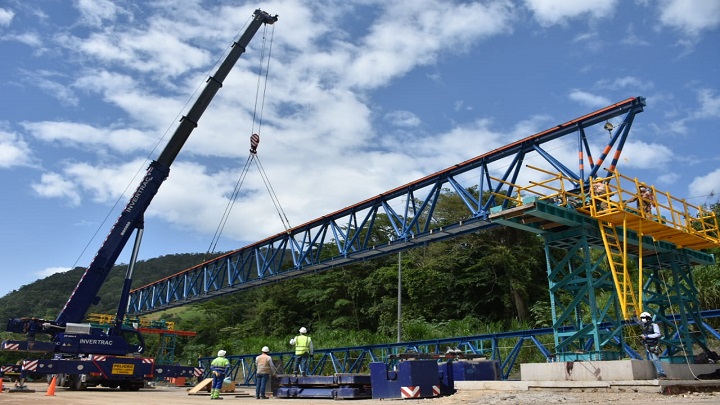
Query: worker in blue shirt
218	368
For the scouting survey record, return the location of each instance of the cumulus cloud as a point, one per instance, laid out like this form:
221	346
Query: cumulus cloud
54	185
708	108
86	136
14	151
28	38
393	47
6	17
668	178
47	272
589	99
709	104
706	186
95	12
402	119
643	155
551	12
689	16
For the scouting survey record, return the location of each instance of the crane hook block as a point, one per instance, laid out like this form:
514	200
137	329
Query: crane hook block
254	142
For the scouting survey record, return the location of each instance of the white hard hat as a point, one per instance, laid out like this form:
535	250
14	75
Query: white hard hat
645	315
265	349
221	353
303	330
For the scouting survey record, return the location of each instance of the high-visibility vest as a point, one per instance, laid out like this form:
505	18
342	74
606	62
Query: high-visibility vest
302	344
220	365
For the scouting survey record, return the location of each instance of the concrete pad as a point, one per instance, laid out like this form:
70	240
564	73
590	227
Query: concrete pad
649	386
610	370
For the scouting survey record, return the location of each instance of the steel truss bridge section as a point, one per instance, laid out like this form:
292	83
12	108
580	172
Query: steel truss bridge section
508	348
404	217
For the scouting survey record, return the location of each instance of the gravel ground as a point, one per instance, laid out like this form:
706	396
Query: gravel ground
179	396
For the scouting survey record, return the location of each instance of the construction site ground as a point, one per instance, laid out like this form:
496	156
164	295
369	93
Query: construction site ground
677	392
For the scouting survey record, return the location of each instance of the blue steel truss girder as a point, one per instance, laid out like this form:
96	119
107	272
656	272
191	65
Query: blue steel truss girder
504	347
355	233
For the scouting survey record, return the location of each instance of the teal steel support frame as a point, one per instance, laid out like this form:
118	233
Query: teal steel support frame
670	289
582	296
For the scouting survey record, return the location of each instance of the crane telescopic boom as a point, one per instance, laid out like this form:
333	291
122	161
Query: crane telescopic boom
131	218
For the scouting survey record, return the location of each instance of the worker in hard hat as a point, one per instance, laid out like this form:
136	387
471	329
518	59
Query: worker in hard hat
264	366
651	338
303	350
218	368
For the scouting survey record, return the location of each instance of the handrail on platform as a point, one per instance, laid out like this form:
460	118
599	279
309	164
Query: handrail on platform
656	213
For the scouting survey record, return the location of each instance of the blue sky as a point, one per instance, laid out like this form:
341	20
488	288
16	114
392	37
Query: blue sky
361	97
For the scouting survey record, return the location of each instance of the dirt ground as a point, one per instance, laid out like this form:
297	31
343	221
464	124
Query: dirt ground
179	396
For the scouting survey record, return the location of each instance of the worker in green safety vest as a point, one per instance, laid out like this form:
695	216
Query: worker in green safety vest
218	369
303	350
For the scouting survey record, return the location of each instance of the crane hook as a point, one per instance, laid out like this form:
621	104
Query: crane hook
254	142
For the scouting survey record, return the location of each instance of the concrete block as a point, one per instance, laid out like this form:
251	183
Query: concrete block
609	370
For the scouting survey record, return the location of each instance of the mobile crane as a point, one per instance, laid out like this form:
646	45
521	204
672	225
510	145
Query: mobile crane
84	355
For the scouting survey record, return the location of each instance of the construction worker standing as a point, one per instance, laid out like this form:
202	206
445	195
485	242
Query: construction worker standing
303	350
264	366
651	339
219	367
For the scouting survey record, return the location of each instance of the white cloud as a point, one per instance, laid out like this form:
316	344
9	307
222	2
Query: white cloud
95	12
6	17
87	136
644	155
709	104
690	16
54	185
588	99
708	107
28	38
58	90
402	119
625	82
668	178
551	12
14	151
50	271
706	186
395	46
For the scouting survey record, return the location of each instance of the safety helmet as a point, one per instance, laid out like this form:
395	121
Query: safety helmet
303	330
265	349
221	353
645	317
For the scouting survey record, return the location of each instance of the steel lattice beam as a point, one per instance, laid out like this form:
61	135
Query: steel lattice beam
356	233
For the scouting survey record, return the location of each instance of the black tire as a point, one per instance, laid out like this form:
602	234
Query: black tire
76	383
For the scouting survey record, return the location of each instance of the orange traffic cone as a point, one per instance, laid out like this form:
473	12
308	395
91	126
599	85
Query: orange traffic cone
51	389
1	387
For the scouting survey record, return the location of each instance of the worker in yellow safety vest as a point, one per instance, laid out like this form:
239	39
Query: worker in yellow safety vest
303	350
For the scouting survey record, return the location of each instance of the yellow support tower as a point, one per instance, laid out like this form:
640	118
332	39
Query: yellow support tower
620	205
654	213
650	241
